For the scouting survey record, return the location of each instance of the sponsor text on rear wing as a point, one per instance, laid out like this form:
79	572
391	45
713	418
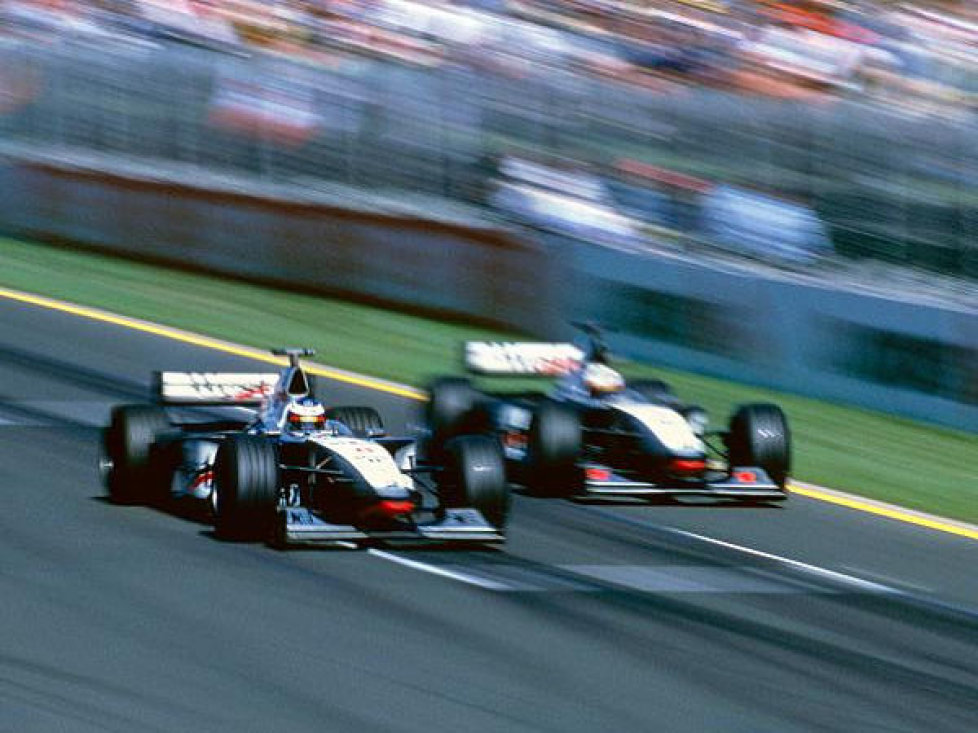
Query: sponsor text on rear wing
525	358
213	389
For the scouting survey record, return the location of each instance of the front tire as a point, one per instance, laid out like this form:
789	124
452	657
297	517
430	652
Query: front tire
132	476
475	476
759	436
246	478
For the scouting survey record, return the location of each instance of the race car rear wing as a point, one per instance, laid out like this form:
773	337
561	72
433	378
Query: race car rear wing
541	359
213	389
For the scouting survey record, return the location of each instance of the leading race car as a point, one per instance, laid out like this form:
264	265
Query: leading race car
593	435
291	471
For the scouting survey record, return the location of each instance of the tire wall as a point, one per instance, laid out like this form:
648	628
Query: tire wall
914	359
486	274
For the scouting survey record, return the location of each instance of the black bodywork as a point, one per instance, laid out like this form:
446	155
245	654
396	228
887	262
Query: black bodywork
641	441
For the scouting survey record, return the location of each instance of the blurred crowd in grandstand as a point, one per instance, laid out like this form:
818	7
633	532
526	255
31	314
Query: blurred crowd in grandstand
793	174
918	54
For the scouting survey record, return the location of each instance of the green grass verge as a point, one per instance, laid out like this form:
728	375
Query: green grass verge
867	453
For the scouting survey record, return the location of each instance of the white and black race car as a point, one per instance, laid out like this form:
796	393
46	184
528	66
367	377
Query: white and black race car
593	435
288	470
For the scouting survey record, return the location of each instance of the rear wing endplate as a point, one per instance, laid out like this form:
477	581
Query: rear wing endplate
213	389
524	358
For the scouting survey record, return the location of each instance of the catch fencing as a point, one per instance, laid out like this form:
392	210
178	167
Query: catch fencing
890	185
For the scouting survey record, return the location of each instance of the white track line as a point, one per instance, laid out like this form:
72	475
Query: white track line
435	570
796	564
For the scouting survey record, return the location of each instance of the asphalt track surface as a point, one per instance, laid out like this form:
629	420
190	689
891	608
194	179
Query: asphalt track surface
594	617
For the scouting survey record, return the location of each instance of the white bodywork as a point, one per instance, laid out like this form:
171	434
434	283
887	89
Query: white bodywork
273	395
668	425
371	460
195	475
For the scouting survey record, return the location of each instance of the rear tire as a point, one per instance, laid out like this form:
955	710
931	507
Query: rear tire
133	476
759	436
475	476
656	391
450	412
554	446
246	484
365	422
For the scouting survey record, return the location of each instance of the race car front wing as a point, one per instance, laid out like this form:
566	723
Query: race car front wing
299	526
741	482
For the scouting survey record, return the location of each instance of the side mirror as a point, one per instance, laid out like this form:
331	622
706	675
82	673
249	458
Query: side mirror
697	418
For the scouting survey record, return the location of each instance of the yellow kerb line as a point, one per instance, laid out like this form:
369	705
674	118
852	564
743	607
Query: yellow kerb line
411	393
206	342
891	512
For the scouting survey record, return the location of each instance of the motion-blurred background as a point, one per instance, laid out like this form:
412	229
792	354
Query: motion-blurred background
785	147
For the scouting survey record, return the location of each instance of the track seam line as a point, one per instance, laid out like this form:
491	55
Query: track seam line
209	342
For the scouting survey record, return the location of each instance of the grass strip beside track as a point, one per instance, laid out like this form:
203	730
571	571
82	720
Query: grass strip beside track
875	455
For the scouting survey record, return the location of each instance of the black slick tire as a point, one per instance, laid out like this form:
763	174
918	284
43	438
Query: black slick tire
365	422
133	476
449	412
759	436
554	447
474	476
246	481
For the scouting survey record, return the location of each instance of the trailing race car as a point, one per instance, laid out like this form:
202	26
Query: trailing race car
291	471
595	435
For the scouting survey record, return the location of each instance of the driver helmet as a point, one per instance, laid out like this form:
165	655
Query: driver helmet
600	379
305	416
